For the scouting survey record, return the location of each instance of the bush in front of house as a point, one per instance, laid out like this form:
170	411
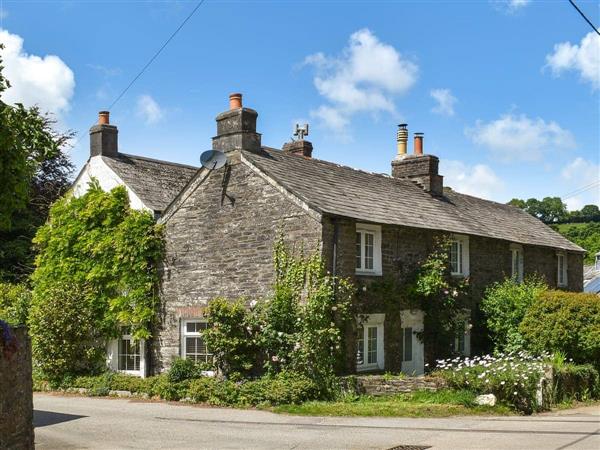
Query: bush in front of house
504	305
65	341
566	322
186	369
512	378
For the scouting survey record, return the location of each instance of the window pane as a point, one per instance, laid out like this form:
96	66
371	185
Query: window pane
454	257
129	355
408	343
190	327
358	251
369	238
372	345
360	346
461	343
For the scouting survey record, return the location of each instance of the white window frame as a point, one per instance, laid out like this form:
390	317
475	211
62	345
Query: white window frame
372	321
516	261
112	356
562	272
185	334
463	245
467	337
375	230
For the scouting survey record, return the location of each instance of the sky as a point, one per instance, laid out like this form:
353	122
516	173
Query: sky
506	92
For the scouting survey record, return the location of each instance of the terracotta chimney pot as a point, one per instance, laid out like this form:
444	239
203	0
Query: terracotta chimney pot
418	144
235	101
103	118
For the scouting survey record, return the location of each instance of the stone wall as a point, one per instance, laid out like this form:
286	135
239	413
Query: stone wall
403	248
219	243
16	395
382	385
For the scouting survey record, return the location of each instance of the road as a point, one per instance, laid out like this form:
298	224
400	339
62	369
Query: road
103	423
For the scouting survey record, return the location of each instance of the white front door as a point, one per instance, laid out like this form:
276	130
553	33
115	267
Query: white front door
413	362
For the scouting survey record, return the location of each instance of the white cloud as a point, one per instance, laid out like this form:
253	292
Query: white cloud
365	77
478	180
148	109
510	6
43	81
445	101
582	178
583	58
520	138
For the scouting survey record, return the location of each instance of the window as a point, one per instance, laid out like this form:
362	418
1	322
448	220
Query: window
459	256
516	262
562	270
193	345
462	340
368	249
129	352
407	342
369	343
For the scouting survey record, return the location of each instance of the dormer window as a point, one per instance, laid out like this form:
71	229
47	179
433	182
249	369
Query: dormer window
368	249
459	256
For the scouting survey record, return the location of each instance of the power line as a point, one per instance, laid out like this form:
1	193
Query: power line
582	190
584	17
156	54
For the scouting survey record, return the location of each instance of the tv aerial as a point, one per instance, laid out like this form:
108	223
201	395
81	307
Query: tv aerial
301	131
213	159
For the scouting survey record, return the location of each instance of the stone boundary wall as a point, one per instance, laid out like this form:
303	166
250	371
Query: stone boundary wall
16	395
385	385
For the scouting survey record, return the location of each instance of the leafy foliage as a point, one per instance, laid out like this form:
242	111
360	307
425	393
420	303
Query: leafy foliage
14	303
586	235
505	304
443	298
27	141
568	322
297	329
576	382
185	369
548	210
105	253
50	182
66	338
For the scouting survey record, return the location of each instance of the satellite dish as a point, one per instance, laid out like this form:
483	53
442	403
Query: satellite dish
213	159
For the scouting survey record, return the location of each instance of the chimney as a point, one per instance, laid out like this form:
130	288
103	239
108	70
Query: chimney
301	148
419	168
401	141
104	137
236	128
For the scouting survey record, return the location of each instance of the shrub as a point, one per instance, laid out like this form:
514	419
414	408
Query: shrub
185	369
162	387
230	337
513	379
65	340
505	305
282	388
15	300
576	382
567	322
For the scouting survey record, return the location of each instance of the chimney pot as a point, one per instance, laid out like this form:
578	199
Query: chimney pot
418	144
103	118
401	140
235	101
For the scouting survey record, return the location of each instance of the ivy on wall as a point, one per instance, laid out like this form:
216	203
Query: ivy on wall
104	253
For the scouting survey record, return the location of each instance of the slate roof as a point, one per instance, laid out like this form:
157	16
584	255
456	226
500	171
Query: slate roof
342	191
155	182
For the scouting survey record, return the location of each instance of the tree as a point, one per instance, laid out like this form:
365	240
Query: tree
590	212
521	204
27	140
548	210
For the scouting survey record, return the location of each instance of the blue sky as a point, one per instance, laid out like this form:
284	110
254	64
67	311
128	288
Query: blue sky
507	93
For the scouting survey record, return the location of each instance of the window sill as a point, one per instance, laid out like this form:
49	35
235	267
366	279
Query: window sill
366	273
136	373
459	275
368	368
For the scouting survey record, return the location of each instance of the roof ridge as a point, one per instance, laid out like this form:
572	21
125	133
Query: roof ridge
162	161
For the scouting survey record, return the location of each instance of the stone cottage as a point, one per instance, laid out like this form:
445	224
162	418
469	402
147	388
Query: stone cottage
220	226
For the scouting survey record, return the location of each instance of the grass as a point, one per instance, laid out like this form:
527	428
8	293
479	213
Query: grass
443	403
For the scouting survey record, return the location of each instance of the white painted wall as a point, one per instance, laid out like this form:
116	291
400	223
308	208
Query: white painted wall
108	179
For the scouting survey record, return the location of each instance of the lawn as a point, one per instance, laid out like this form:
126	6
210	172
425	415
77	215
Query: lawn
443	403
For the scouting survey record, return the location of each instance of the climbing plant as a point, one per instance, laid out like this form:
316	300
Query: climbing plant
107	252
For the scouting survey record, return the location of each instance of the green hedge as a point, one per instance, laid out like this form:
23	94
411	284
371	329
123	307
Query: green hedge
564	322
283	388
576	382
